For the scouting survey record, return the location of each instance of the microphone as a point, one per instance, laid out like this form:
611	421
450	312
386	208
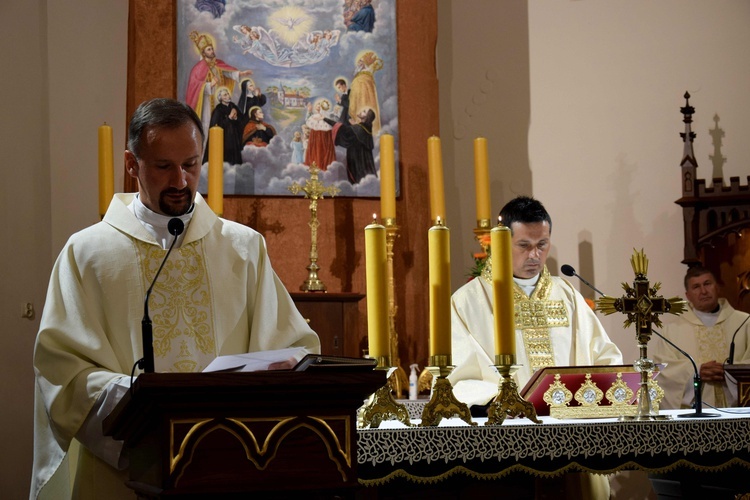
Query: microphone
146	363
569	271
730	359
697	382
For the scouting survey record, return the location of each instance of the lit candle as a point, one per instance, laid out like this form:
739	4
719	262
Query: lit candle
387	178
435	166
481	179
106	168
377	293
216	169
502	288
440	289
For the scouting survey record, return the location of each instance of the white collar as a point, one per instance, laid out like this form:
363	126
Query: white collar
157	224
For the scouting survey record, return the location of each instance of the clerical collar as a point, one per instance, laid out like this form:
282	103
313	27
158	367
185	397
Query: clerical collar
708	319
527	284
156	224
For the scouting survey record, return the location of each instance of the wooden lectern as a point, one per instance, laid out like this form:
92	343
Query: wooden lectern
226	434
741	373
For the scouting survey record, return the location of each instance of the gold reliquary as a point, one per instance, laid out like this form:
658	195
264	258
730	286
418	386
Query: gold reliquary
569	392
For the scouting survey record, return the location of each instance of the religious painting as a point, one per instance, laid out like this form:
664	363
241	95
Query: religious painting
292	83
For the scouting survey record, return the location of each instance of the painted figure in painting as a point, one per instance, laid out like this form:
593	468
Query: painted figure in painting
250	96
207	75
320	149
364	18
227	115
356	137
364	93
342	100
297	151
257	132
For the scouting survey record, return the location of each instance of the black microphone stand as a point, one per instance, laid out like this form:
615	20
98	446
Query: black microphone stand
146	363
697	384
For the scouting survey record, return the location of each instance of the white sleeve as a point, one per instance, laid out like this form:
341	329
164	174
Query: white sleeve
91	434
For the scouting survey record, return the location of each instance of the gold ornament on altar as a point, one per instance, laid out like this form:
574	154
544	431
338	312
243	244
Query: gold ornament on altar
314	190
590	397
642	306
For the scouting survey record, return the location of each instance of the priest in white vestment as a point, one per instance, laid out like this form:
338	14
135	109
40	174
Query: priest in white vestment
554	324
705	331
554	327
217	294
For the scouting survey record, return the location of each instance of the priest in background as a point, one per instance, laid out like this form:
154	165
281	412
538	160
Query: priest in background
554	327
554	324
705	331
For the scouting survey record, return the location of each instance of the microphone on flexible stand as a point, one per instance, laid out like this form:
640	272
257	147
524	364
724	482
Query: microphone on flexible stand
568	270
730	359
146	363
697	382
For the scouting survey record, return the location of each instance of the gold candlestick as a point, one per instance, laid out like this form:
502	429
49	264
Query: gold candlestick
443	403
314	190
398	380
508	403
381	405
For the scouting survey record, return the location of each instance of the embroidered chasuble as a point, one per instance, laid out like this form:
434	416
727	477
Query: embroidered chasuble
554	327
217	294
535	316
704	344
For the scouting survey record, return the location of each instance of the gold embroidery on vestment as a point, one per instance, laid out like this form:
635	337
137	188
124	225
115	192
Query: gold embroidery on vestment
712	346
180	307
535	316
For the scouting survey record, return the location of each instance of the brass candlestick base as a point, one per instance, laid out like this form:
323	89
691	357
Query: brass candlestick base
313	283
443	404
382	406
508	403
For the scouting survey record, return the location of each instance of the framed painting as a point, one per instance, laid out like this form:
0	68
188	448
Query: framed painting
293	83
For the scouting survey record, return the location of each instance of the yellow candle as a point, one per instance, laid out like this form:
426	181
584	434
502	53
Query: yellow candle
440	290
106	168
387	178
481	178
377	293
502	288
435	166
216	169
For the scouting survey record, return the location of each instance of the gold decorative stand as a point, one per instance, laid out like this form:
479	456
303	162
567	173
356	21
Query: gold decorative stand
508	403
397	380
443	404
314	190
381	406
642	306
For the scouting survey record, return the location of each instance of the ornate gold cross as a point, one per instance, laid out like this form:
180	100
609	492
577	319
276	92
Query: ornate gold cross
641	302
314	190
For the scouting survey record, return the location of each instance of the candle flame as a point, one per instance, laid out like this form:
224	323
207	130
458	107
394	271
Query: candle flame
438	221
374	218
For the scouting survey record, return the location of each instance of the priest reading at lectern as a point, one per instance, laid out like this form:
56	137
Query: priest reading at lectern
554	325
217	294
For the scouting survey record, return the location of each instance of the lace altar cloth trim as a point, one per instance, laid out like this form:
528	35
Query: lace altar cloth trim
429	454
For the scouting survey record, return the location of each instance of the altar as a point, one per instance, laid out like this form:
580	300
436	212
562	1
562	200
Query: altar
432	455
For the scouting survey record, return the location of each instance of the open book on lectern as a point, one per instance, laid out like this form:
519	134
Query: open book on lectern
261	360
574	377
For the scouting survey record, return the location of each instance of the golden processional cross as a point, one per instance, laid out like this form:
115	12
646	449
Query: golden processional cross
314	190
643	307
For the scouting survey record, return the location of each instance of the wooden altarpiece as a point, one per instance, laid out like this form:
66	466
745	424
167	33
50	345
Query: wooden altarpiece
268	434
715	218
